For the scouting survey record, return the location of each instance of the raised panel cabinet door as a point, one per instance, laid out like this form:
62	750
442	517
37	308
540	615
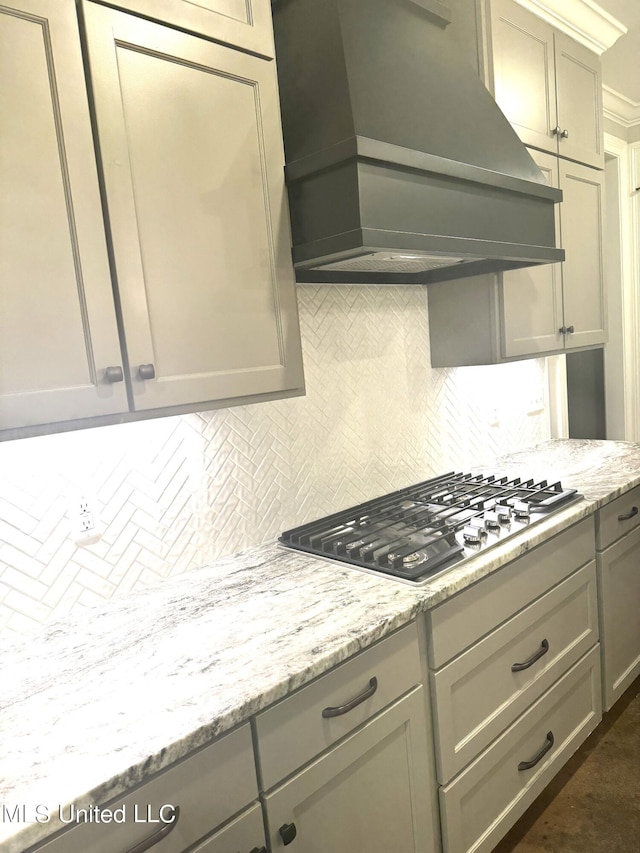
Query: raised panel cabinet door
619	604
579	97
371	792
524	73
58	332
241	23
582	226
531	298
192	158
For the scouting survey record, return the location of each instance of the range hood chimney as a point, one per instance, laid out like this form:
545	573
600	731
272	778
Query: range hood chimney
401	168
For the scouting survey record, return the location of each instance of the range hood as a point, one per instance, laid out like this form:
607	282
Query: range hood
401	168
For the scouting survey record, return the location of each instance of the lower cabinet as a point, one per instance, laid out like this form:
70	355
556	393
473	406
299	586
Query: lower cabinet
515	685
181	805
371	792
618	559
483	802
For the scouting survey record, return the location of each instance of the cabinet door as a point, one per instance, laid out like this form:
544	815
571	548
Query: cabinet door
531	298
58	329
372	792
524	73
582	218
241	23
192	157
619	602
579	97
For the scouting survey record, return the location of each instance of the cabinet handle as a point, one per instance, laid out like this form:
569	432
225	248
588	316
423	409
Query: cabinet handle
562	330
570	330
114	374
544	648
557	130
146	371
527	765
288	832
564	134
627	515
361	697
157	836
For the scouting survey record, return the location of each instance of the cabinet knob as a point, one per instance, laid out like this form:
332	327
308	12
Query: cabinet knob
564	134
146	371
557	130
288	832
562	330
113	374
570	330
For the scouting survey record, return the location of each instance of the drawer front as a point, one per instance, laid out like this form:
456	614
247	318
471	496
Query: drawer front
244	834
617	518
478	695
484	801
209	787
295	730
464	619
619	603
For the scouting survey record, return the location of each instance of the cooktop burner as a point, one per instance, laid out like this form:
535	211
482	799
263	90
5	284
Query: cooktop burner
416	531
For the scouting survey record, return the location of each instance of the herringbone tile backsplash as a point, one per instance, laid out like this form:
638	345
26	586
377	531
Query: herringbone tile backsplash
176	493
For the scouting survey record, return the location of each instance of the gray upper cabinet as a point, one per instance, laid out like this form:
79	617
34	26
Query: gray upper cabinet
551	308
547	85
241	23
188	147
58	332
191	152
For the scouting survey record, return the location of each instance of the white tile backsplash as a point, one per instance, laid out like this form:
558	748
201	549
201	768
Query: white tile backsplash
176	493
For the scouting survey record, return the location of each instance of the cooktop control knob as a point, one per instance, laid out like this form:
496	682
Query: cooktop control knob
504	514
473	534
521	510
491	520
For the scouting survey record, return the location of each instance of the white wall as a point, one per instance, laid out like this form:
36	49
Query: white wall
176	493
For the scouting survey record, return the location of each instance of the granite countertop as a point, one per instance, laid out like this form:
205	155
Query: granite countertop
96	703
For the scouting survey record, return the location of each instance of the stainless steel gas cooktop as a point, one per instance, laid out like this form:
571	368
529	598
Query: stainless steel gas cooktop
414	532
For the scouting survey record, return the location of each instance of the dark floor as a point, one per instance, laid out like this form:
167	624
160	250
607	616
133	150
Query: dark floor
593	804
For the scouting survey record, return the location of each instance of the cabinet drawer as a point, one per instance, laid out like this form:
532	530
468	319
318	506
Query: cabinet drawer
295	730
209	787
483	802
462	620
617	518
477	695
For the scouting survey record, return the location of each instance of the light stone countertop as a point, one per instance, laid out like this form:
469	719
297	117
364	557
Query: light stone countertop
96	703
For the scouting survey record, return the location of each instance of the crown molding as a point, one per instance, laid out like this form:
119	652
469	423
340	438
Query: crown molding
582	20
619	108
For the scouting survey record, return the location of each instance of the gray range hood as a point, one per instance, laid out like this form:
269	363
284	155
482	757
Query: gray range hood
400	168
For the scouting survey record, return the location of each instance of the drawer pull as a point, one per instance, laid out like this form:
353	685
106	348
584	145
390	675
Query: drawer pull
288	832
544	648
527	765
157	836
627	515
361	697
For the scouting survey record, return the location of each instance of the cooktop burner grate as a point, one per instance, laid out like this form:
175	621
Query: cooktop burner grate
419	529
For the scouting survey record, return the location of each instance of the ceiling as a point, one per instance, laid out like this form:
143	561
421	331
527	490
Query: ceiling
621	62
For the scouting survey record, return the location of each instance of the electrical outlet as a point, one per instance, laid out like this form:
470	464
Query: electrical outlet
536	405
83	519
